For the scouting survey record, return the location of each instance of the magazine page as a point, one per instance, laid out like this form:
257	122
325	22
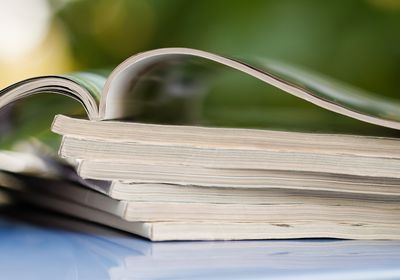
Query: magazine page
126	80
31	118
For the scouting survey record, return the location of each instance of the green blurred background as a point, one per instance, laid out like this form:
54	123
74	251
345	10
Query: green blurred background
356	41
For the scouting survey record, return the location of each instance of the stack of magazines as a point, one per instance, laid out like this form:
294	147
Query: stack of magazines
177	182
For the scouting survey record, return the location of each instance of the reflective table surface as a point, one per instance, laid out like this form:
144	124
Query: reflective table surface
56	247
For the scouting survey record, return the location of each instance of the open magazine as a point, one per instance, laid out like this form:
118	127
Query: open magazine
104	99
170	182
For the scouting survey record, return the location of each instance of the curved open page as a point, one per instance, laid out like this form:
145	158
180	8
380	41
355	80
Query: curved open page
313	88
83	87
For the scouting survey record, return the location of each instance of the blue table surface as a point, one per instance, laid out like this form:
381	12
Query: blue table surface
77	250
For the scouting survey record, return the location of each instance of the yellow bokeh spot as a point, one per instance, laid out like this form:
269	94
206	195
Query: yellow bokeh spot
52	56
388	5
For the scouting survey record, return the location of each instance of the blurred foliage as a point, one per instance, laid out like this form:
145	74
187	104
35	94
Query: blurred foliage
352	40
356	41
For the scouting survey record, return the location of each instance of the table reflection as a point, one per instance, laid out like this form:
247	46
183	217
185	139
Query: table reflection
48	246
